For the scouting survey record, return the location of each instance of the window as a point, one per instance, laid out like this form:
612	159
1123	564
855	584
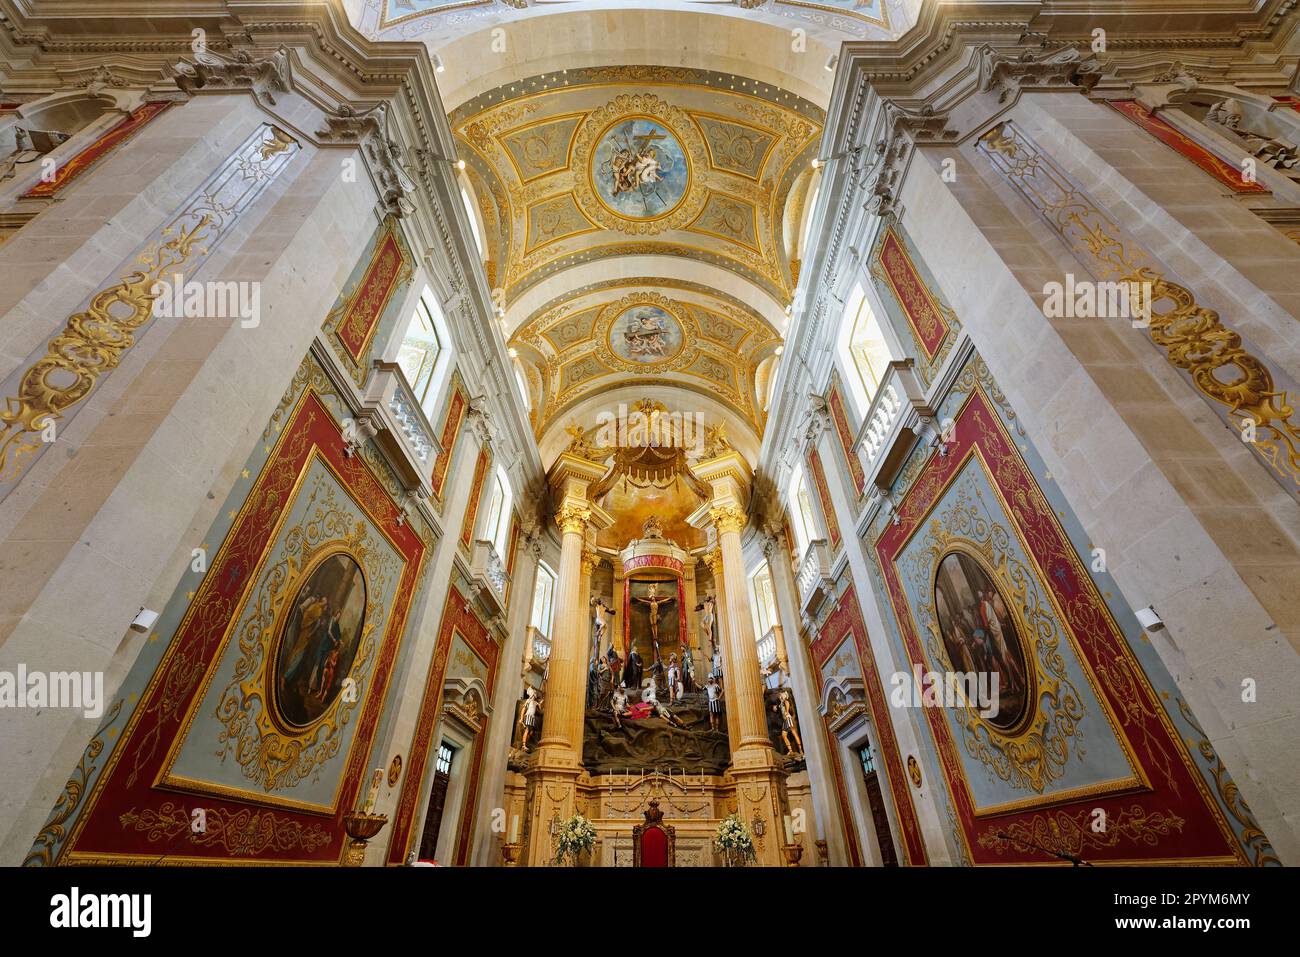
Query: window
445	753
421	349
805	528
867	759
543	598
863	348
473	219
496	519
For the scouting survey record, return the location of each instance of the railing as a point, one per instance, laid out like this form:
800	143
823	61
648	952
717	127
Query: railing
540	646
815	581
393	415
767	647
489	571
899	393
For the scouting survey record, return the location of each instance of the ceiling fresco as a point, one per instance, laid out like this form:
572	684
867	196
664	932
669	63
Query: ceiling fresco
598	172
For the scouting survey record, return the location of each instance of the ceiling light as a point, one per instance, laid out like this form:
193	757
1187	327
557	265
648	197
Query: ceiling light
513	352
460	164
780	349
830	63
438	66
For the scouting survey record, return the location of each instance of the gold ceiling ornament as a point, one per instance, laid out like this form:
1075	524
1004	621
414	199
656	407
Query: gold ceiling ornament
581	446
592	197
677	348
573	518
728	518
1240	386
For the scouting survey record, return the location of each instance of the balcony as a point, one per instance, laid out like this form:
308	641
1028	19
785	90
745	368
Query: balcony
892	424
767	649
815	581
400	427
537	651
488	574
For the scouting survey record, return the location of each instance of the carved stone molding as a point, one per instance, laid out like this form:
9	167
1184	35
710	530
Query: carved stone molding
241	70
1004	74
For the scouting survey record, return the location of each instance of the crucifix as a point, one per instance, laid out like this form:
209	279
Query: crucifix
654	600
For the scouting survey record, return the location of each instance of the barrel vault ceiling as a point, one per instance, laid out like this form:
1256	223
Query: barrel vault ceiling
634	221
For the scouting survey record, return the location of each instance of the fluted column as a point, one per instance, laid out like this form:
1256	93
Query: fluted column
730	710
744	684
565	689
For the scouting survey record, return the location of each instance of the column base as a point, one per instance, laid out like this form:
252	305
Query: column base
760	797
552	786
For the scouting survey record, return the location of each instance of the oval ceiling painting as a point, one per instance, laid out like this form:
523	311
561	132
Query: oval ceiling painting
646	334
639	169
320	639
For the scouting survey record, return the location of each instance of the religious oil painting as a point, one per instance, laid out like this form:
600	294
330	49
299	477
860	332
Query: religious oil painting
640	169
320	639
646	334
980	634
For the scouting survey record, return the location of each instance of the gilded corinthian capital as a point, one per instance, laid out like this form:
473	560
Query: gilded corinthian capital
590	560
572	518
728	518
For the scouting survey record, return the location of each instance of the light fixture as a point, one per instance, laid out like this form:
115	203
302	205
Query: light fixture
460	164
1149	619
513	352
144	620
438	66
779	350
831	62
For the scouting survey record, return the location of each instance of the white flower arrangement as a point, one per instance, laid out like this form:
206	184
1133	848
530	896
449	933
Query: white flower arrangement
576	835
733	839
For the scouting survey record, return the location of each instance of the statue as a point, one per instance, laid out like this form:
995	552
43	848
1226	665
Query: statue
615	666
789	723
593	679
651	692
619	704
530	719
674	678
706	620
633	669
603	612
652	529
663	712
688	669
714	691
654	601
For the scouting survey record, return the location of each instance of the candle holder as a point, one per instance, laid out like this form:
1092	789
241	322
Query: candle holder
510	854
792	854
360	827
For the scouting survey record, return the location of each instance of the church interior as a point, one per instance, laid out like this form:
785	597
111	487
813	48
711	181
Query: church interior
664	433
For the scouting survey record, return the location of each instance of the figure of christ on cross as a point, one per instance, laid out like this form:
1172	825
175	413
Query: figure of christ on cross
654	600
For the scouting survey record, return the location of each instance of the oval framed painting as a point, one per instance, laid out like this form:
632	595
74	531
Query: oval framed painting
982	635
321	630
646	334
639	169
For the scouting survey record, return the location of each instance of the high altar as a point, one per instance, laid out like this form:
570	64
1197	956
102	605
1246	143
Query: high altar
655	537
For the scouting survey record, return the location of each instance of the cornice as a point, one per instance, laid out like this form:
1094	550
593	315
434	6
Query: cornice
381	97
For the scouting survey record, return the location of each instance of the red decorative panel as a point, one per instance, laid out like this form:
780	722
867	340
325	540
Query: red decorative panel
840	420
846	619
356	327
824	496
1172	817
1226	173
97	150
240	830
457	619
1291	102
826	643
457	408
475	494
927	320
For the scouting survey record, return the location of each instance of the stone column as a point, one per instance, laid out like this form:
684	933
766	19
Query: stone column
760	782
590	561
744	683
562	724
714	558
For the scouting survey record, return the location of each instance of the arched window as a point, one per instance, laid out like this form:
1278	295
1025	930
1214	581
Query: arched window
496	520
764	601
421	355
863	349
805	526
543	599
